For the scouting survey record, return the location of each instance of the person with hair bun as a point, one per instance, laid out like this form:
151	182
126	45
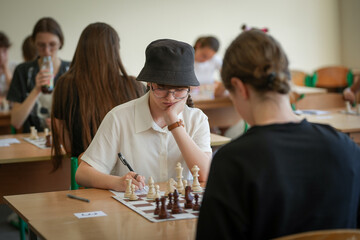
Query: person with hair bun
284	175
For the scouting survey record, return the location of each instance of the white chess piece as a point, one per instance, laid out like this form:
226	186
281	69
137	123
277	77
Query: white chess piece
170	184
133	196
157	195
128	188
179	185
33	133
196	185
348	107
151	193
185	184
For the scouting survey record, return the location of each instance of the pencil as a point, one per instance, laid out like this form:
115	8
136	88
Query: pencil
78	198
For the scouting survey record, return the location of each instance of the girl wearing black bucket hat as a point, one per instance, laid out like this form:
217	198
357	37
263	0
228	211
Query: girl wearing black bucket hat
153	132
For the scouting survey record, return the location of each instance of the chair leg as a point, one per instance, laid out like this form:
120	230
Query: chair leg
22	226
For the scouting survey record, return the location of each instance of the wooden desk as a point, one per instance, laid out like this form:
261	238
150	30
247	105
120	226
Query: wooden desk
346	123
5	122
51	216
25	168
220	111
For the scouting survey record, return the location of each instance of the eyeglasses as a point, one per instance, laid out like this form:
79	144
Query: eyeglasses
178	93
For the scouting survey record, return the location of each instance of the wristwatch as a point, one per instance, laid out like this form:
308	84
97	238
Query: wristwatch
175	125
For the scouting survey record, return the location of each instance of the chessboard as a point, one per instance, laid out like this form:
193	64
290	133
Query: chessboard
146	207
40	142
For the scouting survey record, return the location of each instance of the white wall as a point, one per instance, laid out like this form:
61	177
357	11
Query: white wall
350	33
308	29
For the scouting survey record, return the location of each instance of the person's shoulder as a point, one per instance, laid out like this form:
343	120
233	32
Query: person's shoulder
124	108
25	66
194	113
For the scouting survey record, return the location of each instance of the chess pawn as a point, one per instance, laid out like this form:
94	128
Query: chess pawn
196	185
157	194
46	132
157	209
196	206
163	212
188	198
133	196
170	204
48	142
179	185
128	188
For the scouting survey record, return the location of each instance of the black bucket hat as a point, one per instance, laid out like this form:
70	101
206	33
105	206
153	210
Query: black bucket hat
169	62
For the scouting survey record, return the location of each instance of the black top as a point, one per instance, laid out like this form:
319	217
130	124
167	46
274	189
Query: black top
21	85
281	179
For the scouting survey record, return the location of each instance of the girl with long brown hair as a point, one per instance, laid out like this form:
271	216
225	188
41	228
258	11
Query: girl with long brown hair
95	83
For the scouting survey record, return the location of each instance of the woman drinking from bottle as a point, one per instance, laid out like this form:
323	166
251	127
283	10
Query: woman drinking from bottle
31	87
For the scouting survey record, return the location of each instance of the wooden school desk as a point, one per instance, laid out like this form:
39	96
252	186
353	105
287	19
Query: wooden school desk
5	122
25	168
346	123
51	216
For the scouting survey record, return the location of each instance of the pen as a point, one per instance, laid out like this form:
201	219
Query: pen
121	157
78	198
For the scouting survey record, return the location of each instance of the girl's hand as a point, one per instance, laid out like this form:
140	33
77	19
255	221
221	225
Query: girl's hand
42	78
349	95
172	112
139	182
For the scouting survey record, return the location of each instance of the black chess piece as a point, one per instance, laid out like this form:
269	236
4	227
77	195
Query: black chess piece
48	142
176	205
188	198
157	209
170	204
196	206
163	212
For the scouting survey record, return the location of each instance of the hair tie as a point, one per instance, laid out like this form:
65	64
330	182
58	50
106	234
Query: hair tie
270	79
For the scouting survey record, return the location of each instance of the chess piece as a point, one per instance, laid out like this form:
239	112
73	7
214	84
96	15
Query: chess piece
188	198
133	196
128	188
170	186
184	184
33	133
157	194
176	205
170	204
196	206
348	107
48	142
163	212
151	194
196	185
179	185
157	209
46	132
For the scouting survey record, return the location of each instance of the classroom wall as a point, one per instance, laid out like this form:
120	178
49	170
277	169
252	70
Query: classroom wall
309	30
350	33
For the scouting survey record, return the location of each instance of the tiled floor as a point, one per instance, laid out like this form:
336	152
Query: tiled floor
7	231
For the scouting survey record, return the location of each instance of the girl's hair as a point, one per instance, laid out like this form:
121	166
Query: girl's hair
95	83
257	59
48	25
4	40
29	49
210	42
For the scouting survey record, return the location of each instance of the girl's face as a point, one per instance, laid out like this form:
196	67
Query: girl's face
47	44
203	54
165	96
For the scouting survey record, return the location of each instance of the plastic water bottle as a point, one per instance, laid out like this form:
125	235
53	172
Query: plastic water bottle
47	64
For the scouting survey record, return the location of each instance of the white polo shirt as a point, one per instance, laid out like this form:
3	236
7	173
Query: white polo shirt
149	149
